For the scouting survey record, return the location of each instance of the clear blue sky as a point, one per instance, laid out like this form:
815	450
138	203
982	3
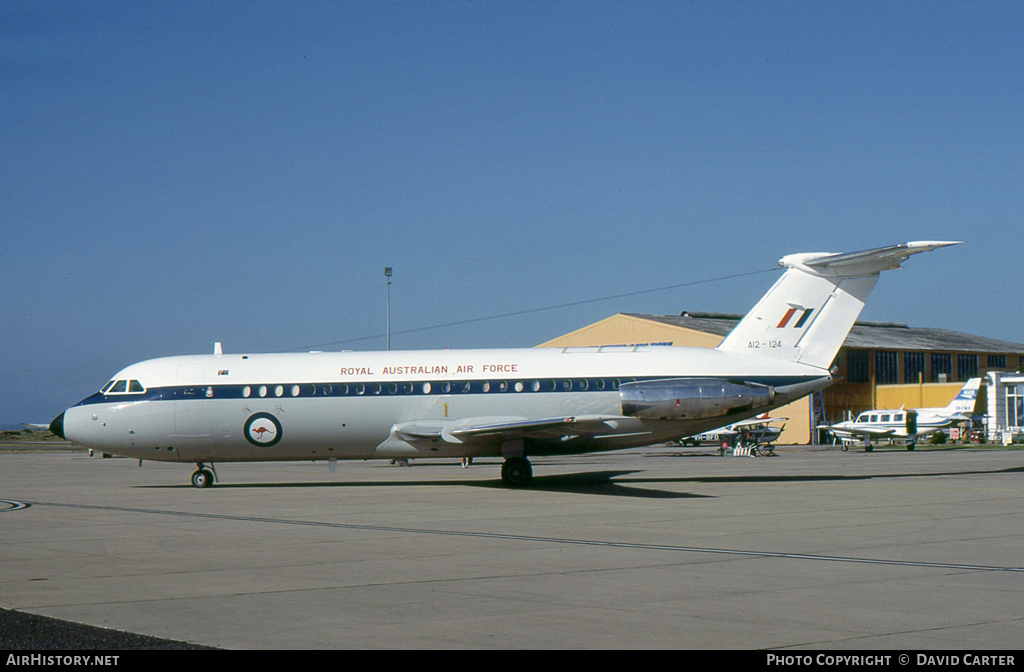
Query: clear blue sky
175	174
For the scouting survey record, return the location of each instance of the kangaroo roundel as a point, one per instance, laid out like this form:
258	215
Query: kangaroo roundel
262	429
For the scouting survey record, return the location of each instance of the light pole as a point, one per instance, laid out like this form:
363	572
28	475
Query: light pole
387	274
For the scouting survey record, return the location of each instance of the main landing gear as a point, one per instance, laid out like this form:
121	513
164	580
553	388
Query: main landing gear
203	477
516	472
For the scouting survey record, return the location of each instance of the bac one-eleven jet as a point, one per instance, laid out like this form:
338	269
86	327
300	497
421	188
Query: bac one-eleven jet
484	403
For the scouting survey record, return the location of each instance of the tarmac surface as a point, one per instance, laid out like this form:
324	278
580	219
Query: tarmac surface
647	548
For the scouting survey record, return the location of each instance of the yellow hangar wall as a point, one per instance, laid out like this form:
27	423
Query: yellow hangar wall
916	395
628	330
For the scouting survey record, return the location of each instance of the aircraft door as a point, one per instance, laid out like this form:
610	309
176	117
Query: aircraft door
911	423
189	407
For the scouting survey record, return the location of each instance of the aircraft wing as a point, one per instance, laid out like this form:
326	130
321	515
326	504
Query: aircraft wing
756	421
860	431
484	430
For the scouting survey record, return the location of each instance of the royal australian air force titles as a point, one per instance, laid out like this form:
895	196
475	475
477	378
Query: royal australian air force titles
473	403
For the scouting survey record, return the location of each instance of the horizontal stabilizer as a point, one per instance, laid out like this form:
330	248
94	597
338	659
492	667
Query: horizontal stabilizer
865	262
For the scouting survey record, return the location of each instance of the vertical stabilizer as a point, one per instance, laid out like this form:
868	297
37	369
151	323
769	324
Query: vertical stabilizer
807	314
965	401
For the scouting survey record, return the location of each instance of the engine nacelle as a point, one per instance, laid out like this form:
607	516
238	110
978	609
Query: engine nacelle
691	398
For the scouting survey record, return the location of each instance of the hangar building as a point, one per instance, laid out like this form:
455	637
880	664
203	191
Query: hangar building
881	364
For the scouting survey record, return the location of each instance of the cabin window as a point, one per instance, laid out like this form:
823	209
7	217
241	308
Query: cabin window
426	388
279	390
263	390
486	387
885	418
519	386
503	386
295	390
535	385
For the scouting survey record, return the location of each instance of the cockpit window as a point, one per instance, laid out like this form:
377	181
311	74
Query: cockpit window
106	387
124	387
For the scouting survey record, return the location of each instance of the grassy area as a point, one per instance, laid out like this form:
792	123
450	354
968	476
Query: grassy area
29	436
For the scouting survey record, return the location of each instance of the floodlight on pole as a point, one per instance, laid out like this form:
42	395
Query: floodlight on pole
387	274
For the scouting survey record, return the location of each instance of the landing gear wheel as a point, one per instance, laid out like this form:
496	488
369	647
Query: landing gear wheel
516	472
202	478
910	446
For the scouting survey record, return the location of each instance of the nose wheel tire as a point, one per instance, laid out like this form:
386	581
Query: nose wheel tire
516	472
202	478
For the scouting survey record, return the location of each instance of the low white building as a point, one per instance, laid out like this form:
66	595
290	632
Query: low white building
1005	396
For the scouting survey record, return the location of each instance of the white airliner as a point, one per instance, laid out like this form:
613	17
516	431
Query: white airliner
484	403
907	425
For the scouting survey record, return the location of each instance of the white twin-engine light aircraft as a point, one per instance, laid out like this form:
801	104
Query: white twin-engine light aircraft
484	403
906	425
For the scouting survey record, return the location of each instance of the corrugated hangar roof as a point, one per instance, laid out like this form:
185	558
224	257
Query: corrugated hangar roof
864	335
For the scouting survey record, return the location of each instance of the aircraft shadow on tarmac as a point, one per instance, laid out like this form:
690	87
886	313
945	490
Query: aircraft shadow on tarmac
588	483
609	483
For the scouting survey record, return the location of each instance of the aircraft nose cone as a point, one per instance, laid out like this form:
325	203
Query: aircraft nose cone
57	426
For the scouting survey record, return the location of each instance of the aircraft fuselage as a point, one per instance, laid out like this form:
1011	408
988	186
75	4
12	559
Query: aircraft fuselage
345	405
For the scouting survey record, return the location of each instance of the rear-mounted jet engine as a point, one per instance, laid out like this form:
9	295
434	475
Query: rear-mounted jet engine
691	398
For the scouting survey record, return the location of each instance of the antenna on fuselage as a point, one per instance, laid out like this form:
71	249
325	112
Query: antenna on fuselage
217	350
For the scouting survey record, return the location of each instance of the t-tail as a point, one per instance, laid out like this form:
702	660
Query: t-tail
808	312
